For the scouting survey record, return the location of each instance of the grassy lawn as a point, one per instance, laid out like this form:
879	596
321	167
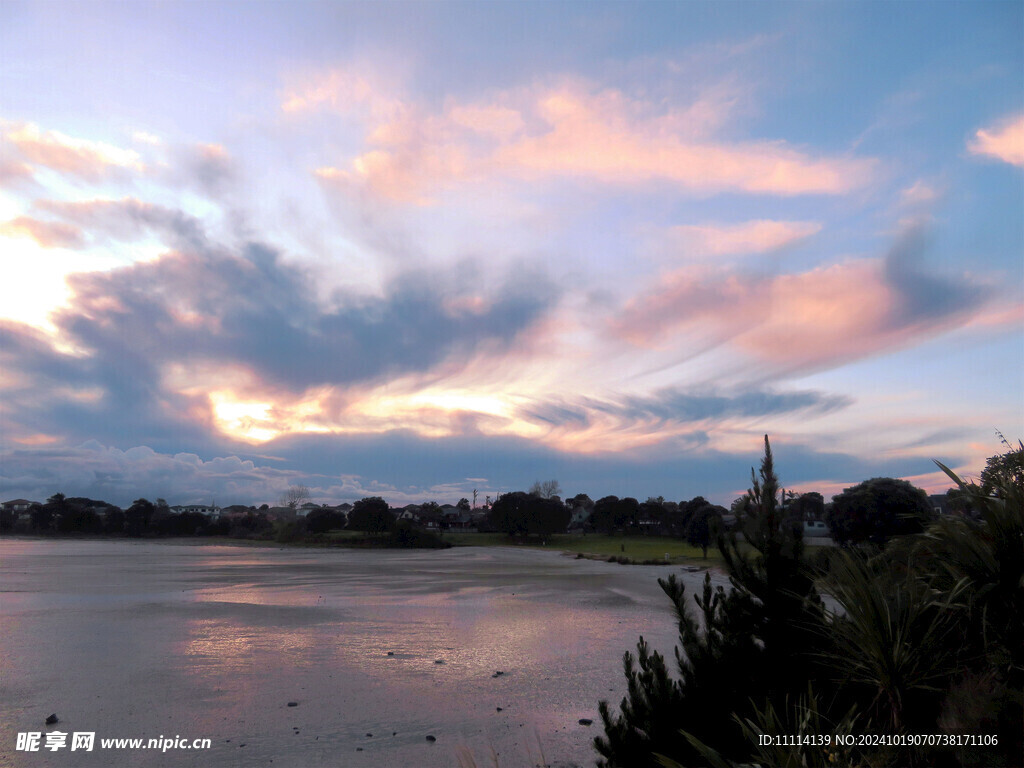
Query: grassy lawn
638	548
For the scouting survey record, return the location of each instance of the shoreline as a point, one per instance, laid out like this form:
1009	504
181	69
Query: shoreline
684	561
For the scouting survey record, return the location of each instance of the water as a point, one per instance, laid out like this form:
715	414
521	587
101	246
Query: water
140	639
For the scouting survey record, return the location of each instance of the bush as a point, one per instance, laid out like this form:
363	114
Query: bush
406	536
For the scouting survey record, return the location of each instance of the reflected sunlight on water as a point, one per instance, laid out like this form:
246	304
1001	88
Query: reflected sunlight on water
133	638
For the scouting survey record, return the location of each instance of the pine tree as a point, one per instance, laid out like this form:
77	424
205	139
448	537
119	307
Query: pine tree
745	652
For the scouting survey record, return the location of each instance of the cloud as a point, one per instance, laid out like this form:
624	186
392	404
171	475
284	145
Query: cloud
923	297
208	167
569	130
805	321
747	237
678	406
129	219
107	395
920	194
1004	141
13	172
344	89
207	339
80	158
606	136
345	469
85	222
120	476
47	234
670	416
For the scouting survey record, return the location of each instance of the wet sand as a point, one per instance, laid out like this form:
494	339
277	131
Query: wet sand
139	639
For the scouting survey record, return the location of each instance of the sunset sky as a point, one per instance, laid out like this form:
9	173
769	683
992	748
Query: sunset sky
413	249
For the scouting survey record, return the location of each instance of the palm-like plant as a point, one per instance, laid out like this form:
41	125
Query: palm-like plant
890	641
989	553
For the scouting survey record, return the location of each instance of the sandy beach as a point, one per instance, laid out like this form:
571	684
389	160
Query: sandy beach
139	639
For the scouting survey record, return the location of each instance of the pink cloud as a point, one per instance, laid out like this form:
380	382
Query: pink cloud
572	130
47	234
749	237
88	160
691	303
842	312
346	91
1004	141
607	136
796	322
490	120
11	172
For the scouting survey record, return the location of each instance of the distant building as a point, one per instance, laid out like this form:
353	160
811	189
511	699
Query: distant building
17	505
201	509
408	512
306	508
939	503
815	529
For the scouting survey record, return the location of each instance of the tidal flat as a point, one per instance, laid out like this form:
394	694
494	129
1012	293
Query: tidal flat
500	651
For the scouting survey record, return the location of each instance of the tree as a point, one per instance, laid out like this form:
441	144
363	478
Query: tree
612	514
1004	470
138	516
807	506
430	511
294	496
921	636
463	505
76	515
548	516
654	510
508	513
580	501
702	526
749	650
878	509
114	520
547	489
602	519
371	515
525	514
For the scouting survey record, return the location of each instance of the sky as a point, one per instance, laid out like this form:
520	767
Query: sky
420	249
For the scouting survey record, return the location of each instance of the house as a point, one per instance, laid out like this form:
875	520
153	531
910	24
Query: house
308	507
815	529
939	502
408	512
17	505
463	521
202	509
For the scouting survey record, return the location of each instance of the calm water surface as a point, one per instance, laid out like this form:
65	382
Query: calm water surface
135	639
